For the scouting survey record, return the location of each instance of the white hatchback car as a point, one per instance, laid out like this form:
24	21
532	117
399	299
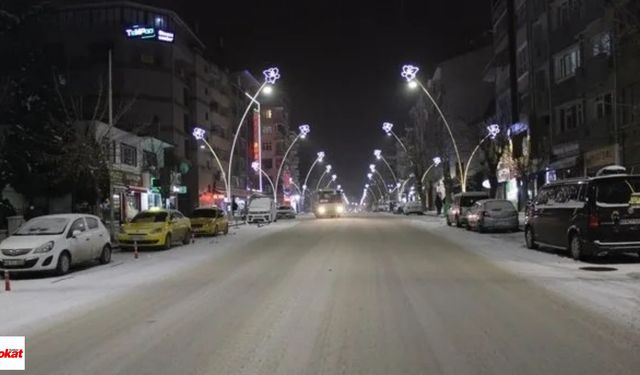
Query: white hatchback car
56	242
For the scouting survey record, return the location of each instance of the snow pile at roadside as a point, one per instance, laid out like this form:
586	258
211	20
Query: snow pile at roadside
37	300
615	292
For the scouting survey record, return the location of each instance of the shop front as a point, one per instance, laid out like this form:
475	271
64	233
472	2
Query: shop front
598	158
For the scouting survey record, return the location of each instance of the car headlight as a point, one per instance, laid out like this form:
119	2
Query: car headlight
44	248
156	230
321	210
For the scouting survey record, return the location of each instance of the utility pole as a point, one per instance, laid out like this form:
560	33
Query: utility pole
109	149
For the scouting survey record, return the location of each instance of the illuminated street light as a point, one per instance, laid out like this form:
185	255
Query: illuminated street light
409	72
388	128
304	130
334	177
255	165
200	135
319	159
271	75
492	132
378	155
327	170
436	162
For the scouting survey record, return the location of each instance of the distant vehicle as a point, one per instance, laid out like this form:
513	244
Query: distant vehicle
491	215
328	203
262	209
587	216
461	203
209	221
155	228
55	243
413	207
285	212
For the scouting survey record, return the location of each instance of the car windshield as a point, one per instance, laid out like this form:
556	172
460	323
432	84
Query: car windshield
205	213
329	197
617	190
150	217
43	226
468	201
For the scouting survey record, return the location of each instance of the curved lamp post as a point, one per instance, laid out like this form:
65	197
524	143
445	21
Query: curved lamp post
388	128
378	155
304	130
404	183
256	167
436	162
367	187
375	183
492	132
334	177
409	73
372	168
319	159
200	135
271	75
327	169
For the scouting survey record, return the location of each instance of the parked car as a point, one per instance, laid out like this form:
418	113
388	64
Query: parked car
413	207
209	221
262	209
155	228
285	212
587	216
492	215
462	202
55	243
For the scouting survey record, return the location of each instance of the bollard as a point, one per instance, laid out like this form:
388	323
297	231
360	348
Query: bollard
135	249
7	281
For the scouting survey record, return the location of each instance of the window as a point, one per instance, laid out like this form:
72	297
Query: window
149	159
77	225
92	223
570	117
268	129
603	106
266	146
128	155
568	11
601	44
268	114
267	164
566	63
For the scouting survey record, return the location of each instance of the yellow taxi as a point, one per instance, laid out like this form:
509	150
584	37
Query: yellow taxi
209	221
155	228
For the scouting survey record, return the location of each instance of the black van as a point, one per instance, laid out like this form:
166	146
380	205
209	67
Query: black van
587	216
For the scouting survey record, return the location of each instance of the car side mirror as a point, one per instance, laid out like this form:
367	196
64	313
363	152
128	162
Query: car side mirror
75	233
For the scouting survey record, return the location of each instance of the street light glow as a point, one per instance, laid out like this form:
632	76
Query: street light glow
437	161
370	176
334	177
267	90
366	186
372	168
377	154
494	130
339	187
412	84
304	130
198	133
321	156
271	75
409	72
328	168
304	187
387	127
255	166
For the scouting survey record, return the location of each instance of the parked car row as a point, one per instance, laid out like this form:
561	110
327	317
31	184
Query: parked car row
587	216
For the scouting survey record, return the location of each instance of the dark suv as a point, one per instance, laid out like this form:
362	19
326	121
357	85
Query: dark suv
587	216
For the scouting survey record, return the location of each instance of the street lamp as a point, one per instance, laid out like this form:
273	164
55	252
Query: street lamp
271	75
334	177
409	73
388	128
327	170
436	162
200	135
304	130
370	177
492	132
256	167
319	159
372	168
378	155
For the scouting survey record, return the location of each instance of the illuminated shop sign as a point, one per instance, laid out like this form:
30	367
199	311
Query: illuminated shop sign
144	32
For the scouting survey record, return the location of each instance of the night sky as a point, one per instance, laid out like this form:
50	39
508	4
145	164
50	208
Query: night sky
340	63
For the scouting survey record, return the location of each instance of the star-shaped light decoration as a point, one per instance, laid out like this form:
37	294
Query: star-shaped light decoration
409	72
328	168
437	161
387	127
304	187
366	186
271	75
372	168
494	130
199	133
334	177
370	175
255	166
304	130
321	156
377	154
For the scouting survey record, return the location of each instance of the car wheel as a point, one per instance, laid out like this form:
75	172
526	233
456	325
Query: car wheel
64	264
529	238
215	230
187	237
167	242
575	247
226	229
105	255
